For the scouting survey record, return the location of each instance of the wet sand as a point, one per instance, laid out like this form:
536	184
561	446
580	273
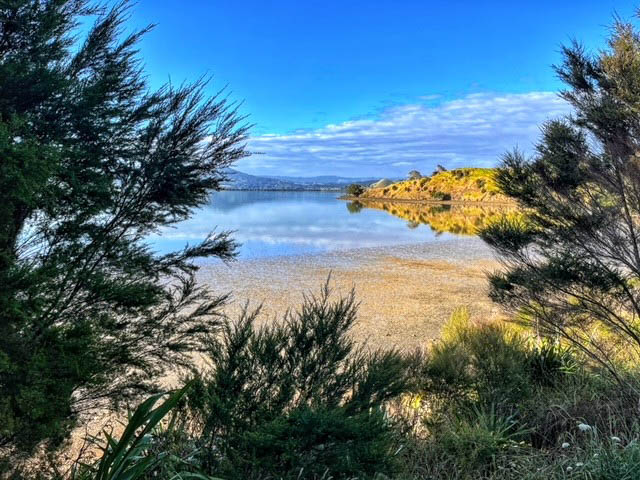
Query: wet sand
406	293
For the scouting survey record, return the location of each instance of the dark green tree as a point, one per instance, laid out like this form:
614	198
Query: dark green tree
355	190
92	162
297	398
573	259
354	207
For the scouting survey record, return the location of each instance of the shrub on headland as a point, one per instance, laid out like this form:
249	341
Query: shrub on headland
355	190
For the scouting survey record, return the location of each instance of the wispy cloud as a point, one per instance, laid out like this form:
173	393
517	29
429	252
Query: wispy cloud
471	131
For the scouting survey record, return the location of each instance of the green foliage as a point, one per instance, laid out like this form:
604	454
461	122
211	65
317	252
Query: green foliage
491	364
497	405
440	196
355	190
317	443
91	163
572	262
548	362
607	460
475	439
494	405
297	395
132	456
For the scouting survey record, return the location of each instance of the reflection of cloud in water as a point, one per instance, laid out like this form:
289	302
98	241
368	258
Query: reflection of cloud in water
284	223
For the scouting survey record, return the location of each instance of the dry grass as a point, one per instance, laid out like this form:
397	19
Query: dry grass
461	185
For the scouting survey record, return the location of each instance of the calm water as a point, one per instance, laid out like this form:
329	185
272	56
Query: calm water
271	224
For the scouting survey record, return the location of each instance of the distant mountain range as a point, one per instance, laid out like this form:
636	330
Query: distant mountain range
243	181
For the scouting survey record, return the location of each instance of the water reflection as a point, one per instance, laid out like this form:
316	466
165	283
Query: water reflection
271	224
462	219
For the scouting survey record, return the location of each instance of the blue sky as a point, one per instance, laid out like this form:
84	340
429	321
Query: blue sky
379	87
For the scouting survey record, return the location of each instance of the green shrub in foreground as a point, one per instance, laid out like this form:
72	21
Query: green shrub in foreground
499	405
490	364
297	395
312	443
297	400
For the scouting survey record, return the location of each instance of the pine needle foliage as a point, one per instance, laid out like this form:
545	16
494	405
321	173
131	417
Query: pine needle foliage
572	262
298	395
91	162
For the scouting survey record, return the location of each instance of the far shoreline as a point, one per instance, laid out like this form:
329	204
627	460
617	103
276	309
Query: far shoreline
289	190
351	198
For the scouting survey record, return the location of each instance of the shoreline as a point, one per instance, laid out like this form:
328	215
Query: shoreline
406	293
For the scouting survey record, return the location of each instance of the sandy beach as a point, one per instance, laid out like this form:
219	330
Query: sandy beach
406	293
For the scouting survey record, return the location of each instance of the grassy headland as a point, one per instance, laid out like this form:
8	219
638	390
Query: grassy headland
459	185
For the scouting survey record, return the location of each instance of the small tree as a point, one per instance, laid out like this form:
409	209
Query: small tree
355	190
439	169
91	163
573	259
298	395
415	175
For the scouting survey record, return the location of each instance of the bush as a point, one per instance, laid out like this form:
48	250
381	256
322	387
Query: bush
355	190
296	394
484	365
549	361
440	196
477	438
317	443
496	404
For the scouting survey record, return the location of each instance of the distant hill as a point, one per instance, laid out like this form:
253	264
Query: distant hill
243	181
459	185
324	180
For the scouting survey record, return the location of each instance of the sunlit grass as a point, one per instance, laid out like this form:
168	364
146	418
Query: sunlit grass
462	184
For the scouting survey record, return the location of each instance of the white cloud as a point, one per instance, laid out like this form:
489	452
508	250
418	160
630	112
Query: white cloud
471	131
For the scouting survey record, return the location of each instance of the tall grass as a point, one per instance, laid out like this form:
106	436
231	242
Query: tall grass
498	403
